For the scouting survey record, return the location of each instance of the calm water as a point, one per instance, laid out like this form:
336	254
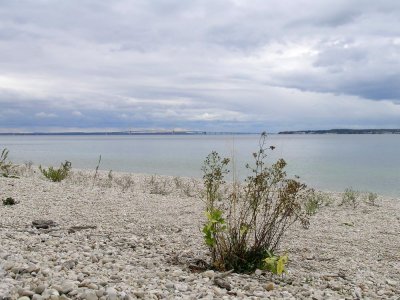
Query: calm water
329	162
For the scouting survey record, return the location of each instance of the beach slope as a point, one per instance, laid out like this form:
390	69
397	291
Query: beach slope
127	236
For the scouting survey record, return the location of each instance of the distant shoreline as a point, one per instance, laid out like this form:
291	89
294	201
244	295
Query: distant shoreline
344	131
127	133
119	133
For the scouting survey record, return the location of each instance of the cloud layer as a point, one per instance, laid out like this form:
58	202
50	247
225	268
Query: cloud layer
202	65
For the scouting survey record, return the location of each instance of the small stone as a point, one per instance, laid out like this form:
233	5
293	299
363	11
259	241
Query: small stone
317	295
269	286
209	274
177	273
67	286
69	264
33	269
111	294
170	285
50	292
310	256
286	294
259	294
92	286
26	293
306	293
363	287
122	295
90	295
258	272
17	270
139	294
181	287
86	249
391	282
335	286
8	266
57	287
73	293
37	297
24	298
380	292
222	283
357	293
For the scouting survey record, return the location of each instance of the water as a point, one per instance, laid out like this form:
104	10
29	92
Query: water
328	162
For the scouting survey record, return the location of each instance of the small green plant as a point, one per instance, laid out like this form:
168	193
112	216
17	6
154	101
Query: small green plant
276	264
350	197
248	221
57	175
9	201
313	204
315	201
5	166
370	198
215	223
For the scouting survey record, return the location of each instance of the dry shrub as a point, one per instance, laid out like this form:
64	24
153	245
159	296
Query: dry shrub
126	182
158	185
243	228
187	187
6	167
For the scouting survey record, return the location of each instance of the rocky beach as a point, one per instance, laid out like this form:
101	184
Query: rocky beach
127	236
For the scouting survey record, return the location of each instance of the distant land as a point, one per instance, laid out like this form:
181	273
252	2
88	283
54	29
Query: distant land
344	131
144	132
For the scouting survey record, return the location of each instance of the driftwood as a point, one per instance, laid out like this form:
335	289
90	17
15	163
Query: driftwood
43	224
79	228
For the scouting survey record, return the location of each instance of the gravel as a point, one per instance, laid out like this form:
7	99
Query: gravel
129	236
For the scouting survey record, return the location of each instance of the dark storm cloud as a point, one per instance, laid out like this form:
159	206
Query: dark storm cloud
199	64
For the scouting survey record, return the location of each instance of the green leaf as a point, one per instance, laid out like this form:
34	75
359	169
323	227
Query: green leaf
280	266
276	264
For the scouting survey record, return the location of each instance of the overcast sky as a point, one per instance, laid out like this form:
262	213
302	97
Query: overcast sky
214	65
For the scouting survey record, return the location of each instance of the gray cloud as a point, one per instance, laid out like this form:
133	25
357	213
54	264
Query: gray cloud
216	65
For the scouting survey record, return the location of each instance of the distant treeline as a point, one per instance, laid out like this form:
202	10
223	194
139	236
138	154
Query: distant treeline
344	131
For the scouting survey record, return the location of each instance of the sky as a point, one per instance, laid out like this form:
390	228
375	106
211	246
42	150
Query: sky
209	65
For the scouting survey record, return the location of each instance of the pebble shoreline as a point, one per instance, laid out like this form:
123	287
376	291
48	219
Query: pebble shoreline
128	236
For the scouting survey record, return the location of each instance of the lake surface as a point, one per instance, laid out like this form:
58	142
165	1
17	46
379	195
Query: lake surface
327	162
